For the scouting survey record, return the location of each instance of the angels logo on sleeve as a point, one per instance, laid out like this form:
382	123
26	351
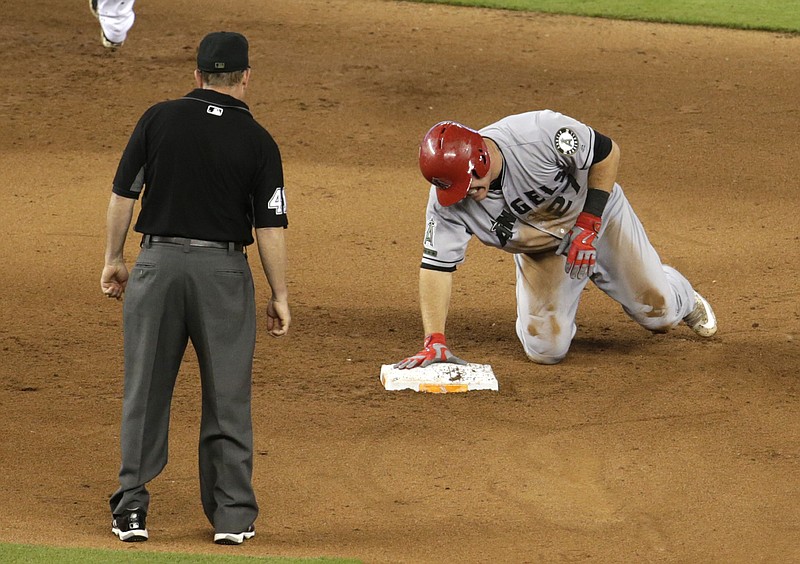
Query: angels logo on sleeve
566	141
428	243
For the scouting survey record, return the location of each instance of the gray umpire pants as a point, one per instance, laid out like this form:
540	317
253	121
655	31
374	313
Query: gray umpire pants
176	293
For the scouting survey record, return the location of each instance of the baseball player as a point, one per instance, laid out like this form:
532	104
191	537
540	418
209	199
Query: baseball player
542	186
208	174
116	20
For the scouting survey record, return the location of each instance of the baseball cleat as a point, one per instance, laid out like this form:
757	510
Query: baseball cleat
235	538
93	8
702	319
130	526
107	43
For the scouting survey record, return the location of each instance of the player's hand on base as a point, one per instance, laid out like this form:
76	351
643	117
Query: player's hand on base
434	350
578	246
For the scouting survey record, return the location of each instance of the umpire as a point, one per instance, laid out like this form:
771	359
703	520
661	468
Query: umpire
208	173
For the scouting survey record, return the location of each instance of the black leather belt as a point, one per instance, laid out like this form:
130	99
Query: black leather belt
191	242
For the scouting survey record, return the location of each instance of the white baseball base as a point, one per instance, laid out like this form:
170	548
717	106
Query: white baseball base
440	378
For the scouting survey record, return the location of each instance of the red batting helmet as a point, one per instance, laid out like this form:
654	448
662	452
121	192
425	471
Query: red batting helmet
450	156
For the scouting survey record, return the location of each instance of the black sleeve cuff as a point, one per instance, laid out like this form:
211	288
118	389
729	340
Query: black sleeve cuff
602	147
427	266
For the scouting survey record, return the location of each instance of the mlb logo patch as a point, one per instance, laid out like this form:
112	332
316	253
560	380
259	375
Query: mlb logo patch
214	111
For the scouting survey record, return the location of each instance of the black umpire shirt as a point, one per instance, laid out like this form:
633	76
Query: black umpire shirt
208	169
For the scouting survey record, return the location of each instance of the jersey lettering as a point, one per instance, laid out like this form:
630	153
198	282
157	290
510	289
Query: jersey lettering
278	202
563	174
535	198
503	226
520	207
559	207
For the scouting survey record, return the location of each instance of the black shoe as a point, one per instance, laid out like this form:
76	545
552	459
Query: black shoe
235	538
130	526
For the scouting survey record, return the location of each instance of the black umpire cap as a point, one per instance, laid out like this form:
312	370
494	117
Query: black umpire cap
223	51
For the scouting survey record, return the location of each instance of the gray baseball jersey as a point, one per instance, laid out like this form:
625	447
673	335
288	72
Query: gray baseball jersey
547	156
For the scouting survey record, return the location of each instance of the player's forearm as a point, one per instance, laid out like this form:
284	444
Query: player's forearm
272	251
118	221
434	299
603	175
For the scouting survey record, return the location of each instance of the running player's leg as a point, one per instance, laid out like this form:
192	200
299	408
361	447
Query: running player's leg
116	18
629	270
547	300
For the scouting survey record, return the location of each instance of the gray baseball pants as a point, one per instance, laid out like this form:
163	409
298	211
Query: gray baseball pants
628	269
176	293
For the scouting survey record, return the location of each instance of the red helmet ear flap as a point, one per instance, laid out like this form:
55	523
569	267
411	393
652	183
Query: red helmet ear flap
450	156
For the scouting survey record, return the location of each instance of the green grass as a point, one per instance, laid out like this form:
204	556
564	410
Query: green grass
19	553
773	15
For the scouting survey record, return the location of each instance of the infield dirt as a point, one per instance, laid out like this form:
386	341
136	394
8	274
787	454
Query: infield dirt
638	447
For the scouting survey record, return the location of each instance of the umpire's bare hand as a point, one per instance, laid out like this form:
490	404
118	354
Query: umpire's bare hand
278	317
114	279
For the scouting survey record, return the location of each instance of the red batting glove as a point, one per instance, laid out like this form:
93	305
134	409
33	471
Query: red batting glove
582	254
435	350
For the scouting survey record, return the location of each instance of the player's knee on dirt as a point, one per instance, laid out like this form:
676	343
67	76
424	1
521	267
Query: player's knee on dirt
546	340
655	313
544	359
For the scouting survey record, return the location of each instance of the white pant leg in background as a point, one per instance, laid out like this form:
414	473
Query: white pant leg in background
630	271
116	18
